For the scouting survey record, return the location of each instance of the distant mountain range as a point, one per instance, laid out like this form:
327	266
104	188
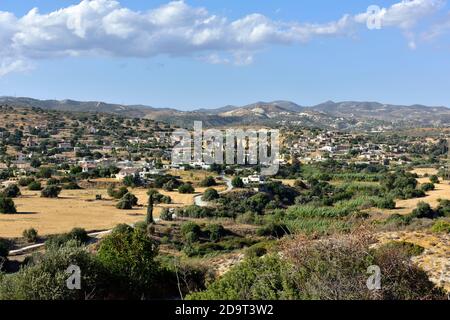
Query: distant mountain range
333	115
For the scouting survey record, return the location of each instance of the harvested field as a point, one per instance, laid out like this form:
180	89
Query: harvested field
78	208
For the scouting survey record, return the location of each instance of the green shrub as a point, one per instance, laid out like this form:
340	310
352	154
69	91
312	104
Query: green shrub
210	195
423	210
30	235
23	182
441	226
11	191
127	202
409	248
434	179
51	191
78	235
52	182
277	230
190	226
427	187
208	182
44	277
256	251
129	256
166	215
35	186
71	186
308	269
237	182
215	231
7	206
186	188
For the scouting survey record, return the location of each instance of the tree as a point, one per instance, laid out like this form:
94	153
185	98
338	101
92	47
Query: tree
7	205
35	186
210	195
237	182
434	179
208	182
11	191
127	202
423	210
35	163
129	256
51	191
45	172
186	188
166	215
30	235
149	217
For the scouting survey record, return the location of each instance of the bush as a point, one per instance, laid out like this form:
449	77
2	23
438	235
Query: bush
215	231
423	210
237	182
208	182
158	197
434	179
11	191
71	186
44	277
186	188
78	235
308	269
35	186
7	205
129	256
427	187
441	227
277	230
23	182
51	192
256	251
52	181
210	195
127	202
30	235
409	248
166	215
117	194
189	227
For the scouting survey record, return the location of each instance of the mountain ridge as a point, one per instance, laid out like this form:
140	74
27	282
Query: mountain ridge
340	115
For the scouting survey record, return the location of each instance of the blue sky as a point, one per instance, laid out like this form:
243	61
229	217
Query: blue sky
150	52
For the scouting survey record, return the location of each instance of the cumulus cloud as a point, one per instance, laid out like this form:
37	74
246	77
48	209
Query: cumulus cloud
104	27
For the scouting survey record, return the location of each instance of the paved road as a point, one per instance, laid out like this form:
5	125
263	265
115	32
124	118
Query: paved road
198	199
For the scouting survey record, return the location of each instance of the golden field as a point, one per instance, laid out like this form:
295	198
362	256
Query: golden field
78	208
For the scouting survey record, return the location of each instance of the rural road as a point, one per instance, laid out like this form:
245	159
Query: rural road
198	199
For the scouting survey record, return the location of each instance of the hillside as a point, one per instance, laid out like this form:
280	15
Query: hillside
332	115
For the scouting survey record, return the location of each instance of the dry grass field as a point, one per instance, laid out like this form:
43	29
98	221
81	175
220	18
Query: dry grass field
442	191
78	208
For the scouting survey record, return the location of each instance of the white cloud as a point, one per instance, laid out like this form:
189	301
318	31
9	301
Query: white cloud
104	27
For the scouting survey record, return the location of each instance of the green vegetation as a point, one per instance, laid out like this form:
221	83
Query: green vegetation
30	235
51	191
186	188
7	205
